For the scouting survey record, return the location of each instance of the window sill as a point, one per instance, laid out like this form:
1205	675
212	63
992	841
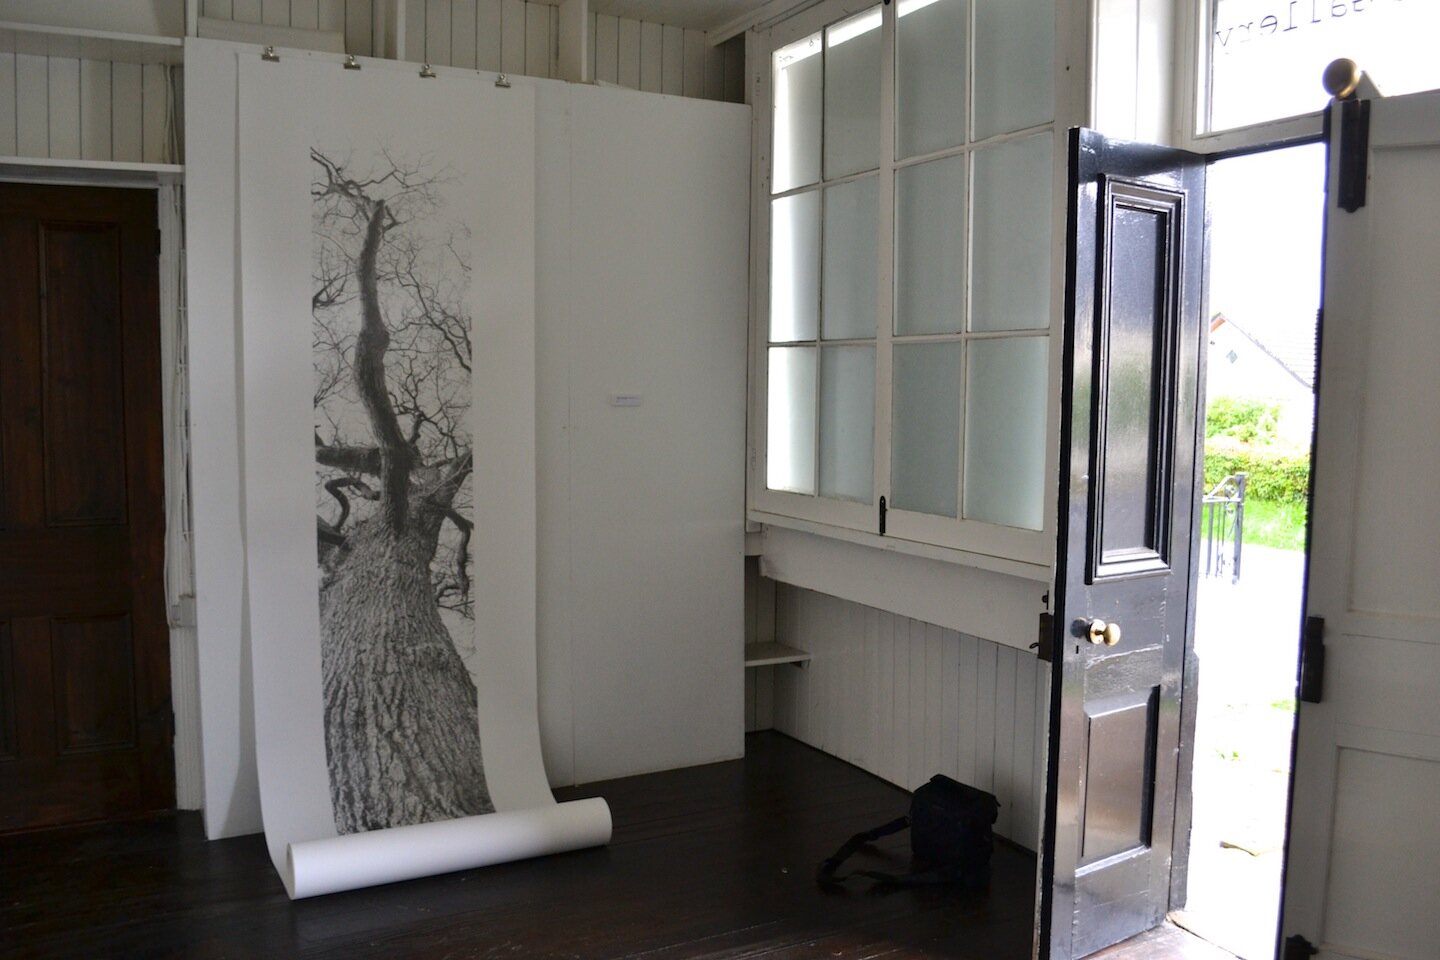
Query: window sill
1025	570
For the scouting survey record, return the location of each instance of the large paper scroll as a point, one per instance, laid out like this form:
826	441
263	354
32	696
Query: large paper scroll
387	256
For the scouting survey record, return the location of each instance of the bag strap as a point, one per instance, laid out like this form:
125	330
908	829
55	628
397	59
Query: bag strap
826	872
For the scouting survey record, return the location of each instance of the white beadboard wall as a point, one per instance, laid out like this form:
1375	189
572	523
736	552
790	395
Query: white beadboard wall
905	700
519	37
67	109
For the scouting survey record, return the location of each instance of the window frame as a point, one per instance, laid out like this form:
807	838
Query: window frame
961	540
1192	91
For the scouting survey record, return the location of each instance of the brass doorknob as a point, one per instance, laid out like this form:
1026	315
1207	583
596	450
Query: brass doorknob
1106	633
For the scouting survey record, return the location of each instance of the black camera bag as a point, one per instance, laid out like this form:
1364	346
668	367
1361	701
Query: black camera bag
951	838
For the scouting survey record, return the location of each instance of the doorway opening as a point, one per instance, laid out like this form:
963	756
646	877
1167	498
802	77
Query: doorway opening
1264	279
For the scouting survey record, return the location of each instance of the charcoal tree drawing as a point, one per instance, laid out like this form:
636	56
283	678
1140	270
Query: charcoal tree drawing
392	351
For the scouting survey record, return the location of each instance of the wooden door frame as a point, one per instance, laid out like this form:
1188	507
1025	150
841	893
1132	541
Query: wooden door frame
183	686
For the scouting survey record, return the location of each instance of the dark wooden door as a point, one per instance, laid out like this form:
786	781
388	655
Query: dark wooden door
85	724
1123	581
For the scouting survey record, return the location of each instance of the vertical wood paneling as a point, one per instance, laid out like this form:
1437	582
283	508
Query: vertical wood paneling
652	51
489	16
462	34
1005	710
64	107
696	49
672	61
607	48
628	72
715	74
359	28
127	112
275	13
247	11
218	9
905	700
436	32
537	37
32	106
414	30
95	110
155	103
512	36
734	69
7	104
950	704
305	14
332	18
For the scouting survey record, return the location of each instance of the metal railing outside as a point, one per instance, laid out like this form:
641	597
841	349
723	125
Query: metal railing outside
1223	527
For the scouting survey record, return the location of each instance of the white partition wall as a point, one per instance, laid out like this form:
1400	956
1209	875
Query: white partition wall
641	312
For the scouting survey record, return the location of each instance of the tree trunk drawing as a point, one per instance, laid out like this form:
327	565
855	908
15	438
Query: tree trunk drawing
393	466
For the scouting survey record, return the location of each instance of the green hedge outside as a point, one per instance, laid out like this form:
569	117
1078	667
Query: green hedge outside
1274	474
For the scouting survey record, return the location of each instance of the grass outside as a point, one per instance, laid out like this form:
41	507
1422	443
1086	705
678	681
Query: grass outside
1269	524
1279	525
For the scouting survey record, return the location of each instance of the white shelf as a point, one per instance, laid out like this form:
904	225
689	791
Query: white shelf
768	654
105	172
41	41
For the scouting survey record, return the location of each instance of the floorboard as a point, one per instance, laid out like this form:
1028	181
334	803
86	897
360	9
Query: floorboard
709	862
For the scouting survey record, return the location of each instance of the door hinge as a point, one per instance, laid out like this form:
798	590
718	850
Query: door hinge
1354	153
1044	645
882	516
1298	948
1312	660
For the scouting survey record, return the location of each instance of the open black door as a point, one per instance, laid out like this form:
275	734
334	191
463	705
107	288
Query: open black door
1127	499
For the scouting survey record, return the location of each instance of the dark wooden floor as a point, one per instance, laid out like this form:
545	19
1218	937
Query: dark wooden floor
714	861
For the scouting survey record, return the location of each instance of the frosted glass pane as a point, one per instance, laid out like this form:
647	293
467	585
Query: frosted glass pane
930	71
1014	65
1010	258
790	421
852	95
847	423
1005	431
930	247
799	74
925	434
794	266
851	247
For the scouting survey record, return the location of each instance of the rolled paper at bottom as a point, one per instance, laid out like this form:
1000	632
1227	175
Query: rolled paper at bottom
355	860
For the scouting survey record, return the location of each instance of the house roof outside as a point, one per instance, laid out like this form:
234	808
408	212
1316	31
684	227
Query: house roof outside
1290	345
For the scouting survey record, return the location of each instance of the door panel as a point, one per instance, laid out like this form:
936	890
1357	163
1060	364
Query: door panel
1364	838
1128	470
84	662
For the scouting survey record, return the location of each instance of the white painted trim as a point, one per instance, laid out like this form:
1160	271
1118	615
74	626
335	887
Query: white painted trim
758	19
94	173
996	606
1038	572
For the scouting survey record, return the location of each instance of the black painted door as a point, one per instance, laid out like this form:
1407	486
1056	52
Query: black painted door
1127	498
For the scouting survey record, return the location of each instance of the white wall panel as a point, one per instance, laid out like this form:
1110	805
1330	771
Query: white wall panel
95	109
8	104
32	106
488	34
652	52
538	57
621	672
64	104
512	36
434	32
607	48
672	61
154	99
629	55
906	699
127	106
463	38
